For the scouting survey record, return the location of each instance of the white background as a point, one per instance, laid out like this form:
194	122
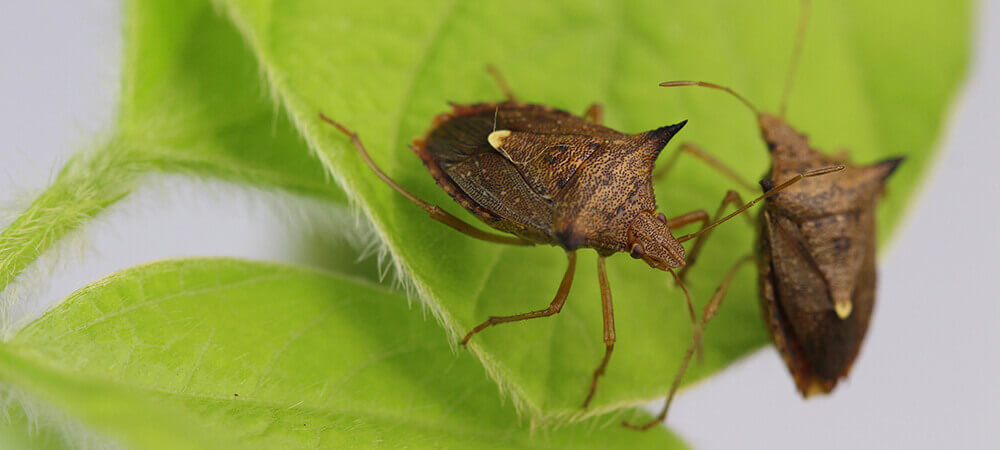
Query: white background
59	64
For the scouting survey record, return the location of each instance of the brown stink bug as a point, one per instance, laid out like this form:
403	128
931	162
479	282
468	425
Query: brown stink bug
545	176
815	249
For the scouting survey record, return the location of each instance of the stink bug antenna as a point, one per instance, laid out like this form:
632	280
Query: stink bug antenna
796	55
496	113
712	86
770	192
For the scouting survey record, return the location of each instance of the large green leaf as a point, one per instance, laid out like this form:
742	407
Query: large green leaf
386	68
192	101
221	353
195	99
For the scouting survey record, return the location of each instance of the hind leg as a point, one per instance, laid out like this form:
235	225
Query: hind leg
434	211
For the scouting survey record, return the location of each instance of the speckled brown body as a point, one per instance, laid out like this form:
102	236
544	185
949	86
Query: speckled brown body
816	258
556	179
549	177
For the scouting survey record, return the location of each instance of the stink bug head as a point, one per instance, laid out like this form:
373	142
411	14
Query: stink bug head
652	242
853	189
816	243
649	237
778	134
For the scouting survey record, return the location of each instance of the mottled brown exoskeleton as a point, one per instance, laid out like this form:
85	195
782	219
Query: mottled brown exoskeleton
815	248
546	176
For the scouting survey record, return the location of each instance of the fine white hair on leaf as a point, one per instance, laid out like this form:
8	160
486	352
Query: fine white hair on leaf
306	124
298	217
44	417
90	180
388	259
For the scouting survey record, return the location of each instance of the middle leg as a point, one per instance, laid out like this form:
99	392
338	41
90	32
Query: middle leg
554	307
609	328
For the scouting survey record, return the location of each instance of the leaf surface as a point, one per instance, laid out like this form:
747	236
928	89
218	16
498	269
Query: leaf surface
385	70
222	353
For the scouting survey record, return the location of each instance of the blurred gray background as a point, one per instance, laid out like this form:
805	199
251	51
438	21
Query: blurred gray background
928	377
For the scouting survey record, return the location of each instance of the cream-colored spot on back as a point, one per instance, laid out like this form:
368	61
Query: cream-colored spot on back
496	138
843	307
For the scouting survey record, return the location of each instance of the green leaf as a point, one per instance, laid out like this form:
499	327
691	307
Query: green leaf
386	70
18	431
221	353
192	101
193	98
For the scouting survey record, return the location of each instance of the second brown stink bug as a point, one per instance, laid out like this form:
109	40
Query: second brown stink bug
815	249
545	176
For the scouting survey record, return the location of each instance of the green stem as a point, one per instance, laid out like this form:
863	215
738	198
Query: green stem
89	183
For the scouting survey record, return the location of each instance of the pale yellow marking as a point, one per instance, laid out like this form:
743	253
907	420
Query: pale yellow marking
843	308
815	388
496	138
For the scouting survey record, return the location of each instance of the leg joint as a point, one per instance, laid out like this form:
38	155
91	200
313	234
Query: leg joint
435	212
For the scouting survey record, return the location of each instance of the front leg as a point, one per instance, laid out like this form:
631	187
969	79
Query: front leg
709	312
772	191
731	198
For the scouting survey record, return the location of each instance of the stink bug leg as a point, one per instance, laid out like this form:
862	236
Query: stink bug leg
546	176
554	307
731	198
595	113
816	248
709	312
701	235
607	310
434	211
705	157
501	83
795	179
